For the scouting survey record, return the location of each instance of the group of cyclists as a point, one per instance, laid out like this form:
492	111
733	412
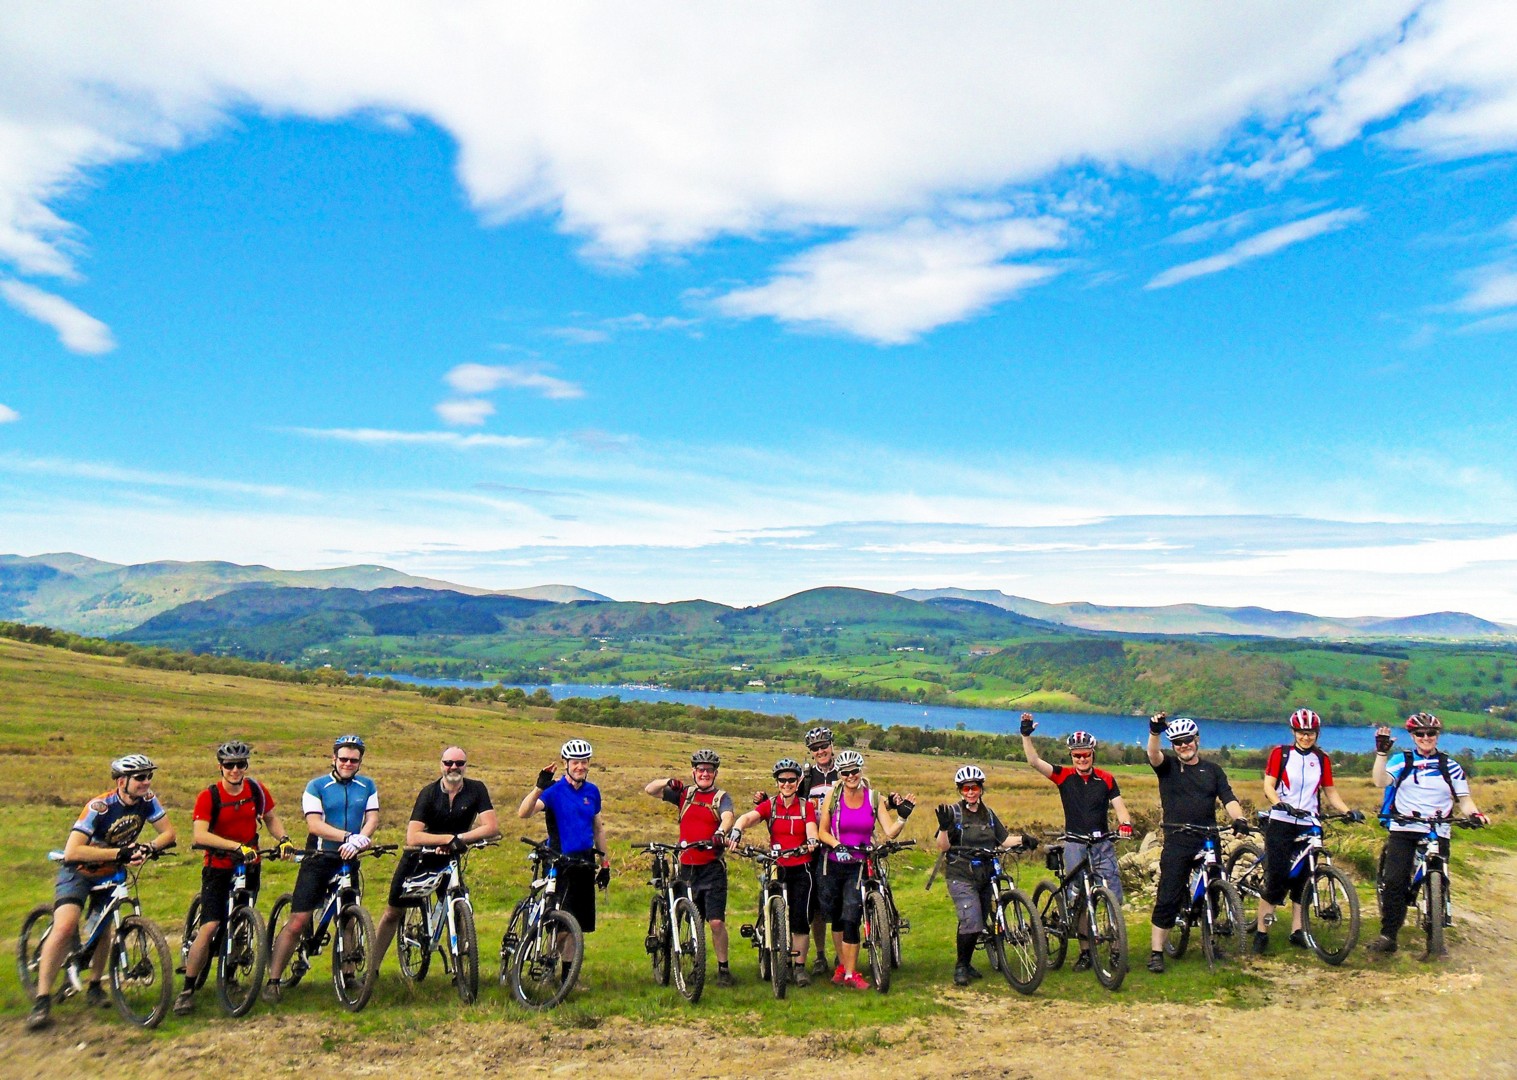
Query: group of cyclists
823	819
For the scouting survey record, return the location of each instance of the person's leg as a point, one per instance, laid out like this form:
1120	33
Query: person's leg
1174	868
1400	853
55	949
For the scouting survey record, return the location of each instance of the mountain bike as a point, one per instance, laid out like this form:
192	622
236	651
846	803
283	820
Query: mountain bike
1329	904
1430	891
1014	937
883	926
1097	919
340	920
142	982
443	923
770	932
241	947
1213	905
543	947
676	938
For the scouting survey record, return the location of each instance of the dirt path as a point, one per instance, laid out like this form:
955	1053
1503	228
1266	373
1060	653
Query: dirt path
1456	1017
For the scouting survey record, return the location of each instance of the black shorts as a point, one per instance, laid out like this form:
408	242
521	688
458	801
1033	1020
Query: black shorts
797	881
576	892
316	869
708	887
216	889
412	862
842	894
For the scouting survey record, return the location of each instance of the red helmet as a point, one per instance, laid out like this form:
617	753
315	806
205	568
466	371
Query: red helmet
1422	721
1305	720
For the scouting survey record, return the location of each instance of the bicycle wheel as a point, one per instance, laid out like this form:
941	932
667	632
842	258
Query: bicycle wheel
777	938
541	977
300	963
877	940
353	957
1023	942
510	941
1053	913
1108	938
465	953
1221	922
34	930
241	960
1430	911
1380	884
1178	939
761	941
413	943
191	932
895	928
659	940
1245	869
689	943
1330	914
141	973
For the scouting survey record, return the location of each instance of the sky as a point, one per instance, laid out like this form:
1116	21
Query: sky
1131	304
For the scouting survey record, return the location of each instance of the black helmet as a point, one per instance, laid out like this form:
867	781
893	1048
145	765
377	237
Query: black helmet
785	764
235	750
705	757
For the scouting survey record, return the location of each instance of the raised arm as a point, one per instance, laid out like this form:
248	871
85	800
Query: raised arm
1155	729
1029	725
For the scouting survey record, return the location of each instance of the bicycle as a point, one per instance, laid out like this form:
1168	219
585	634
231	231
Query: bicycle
883	926
1430	888
142	985
1214	904
444	924
1329	903
1014	941
241	946
676	938
344	923
540	936
1105	926
770	934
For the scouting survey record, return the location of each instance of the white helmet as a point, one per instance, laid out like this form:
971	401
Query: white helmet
575	750
969	774
1182	727
132	763
849	759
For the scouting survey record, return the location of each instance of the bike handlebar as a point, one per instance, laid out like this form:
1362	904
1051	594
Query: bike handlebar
443	849
1436	819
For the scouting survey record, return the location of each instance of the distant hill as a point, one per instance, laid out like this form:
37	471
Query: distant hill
88	596
1183	619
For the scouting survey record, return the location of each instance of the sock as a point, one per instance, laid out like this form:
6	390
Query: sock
966	948
1155	952
721	965
189	983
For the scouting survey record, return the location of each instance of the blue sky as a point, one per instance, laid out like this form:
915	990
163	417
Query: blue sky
1135	306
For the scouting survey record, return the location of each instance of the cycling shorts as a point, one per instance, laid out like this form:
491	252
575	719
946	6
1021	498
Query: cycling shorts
316	870
708	887
216	890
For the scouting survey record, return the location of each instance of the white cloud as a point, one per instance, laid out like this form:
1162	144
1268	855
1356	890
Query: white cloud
1411	557
380	437
8	415
483	378
1265	243
1494	325
1228	226
892	286
465	412
130	477
79	332
579	335
1495	288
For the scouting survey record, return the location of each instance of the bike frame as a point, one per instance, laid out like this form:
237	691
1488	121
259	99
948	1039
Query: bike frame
1084	873
441	908
1205	868
669	884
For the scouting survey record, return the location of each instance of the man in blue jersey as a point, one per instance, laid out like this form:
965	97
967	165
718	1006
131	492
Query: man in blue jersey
342	814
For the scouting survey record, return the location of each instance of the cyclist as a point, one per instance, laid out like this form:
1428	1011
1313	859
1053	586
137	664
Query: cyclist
816	781
970	823
226	817
1189	789
104	838
1297	777
571	806
342	814
1089	796
1423	781
792	829
705	814
450	813
847	821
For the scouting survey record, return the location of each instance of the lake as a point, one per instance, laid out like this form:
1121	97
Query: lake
1105	727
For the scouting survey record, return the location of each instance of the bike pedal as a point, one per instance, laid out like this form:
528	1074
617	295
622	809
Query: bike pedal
651	944
746	930
903	925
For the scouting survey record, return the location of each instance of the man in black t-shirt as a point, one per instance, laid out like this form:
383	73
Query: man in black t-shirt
816	782
1189	790
451	813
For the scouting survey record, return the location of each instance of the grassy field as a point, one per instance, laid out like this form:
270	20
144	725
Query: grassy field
64	715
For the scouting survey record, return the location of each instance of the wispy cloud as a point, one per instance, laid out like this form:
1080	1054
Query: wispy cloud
484	378
8	415
381	437
1495	288
1258	246
892	286
78	331
579	335
1228	226
465	412
122	475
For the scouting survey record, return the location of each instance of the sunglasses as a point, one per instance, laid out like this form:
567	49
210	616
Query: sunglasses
787	779
1088	753
819	749
234	764
453	764
140	777
350	761
1184	742
1424	734
971	787
849	772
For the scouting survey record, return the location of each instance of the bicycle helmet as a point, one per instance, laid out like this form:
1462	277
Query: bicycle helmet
236	750
1081	740
355	741
818	737
575	750
1305	720
784	765
850	759
969	774
705	757
132	763
1182	727
1423	721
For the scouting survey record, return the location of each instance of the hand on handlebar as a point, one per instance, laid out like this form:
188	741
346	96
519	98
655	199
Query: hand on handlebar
1124	830
1240	827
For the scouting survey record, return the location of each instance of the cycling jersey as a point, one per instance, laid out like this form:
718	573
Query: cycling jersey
700	816
571	814
815	784
341	804
1188	794
1086	799
443	816
1424	791
237	819
1299	776
852	826
787	827
108	822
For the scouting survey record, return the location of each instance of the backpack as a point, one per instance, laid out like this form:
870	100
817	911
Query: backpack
1389	802
1285	752
687	800
215	790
